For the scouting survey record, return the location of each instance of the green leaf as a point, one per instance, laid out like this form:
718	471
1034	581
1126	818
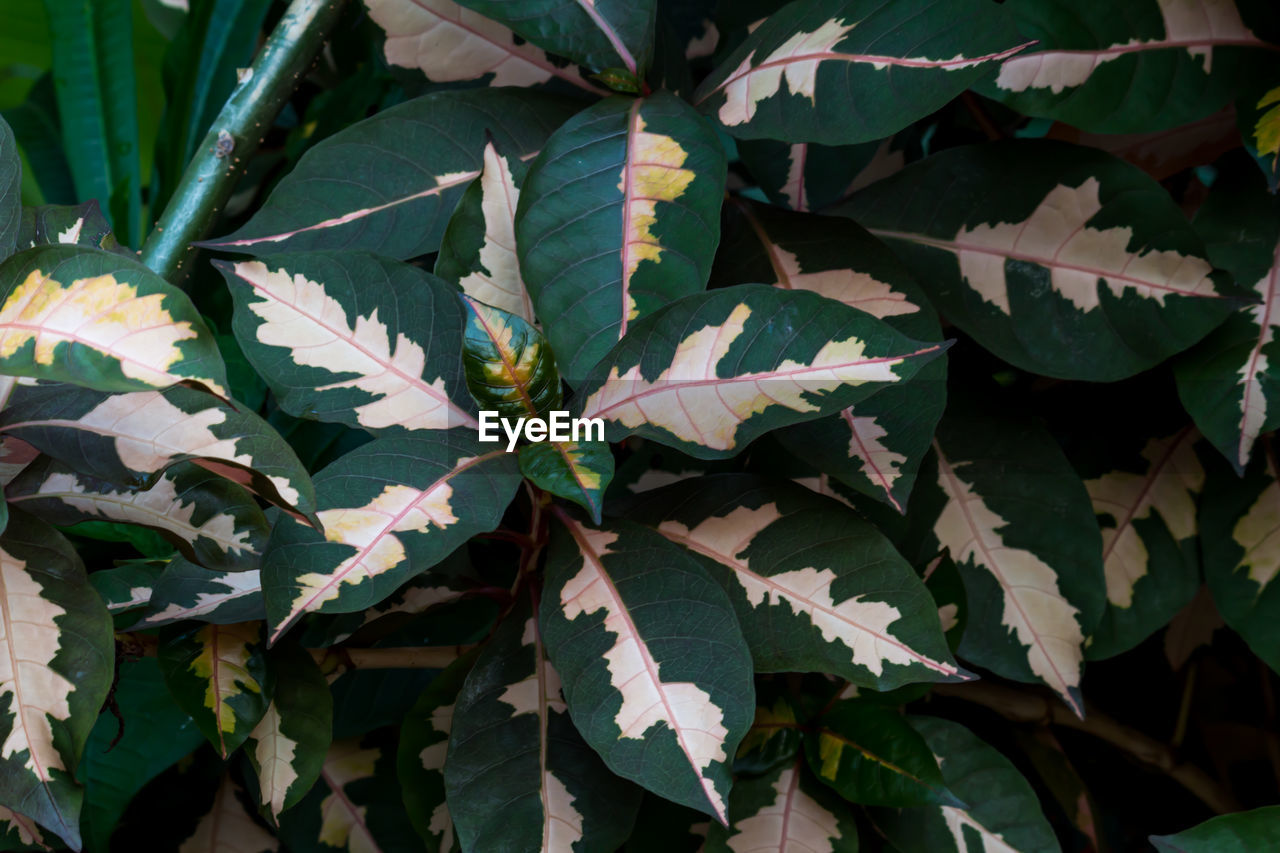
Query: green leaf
288	745
854	70
579	471
390	510
708	373
803	176
1225	383
1146	65
125	588
552	791
39	134
1258	115
102	321
815	587
353	338
218	674
388	184
185	590
877	449
618	216
509	366
630	622
60	224
871	755
1081	268
54	675
1019	524
773	739
1003	812
784	810
10	190
478	252
1242	832
599	34
130	439
450	43
213	521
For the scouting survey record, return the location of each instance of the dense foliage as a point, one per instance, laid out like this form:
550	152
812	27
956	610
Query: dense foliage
936	504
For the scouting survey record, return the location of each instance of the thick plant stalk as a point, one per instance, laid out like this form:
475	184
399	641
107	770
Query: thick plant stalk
212	174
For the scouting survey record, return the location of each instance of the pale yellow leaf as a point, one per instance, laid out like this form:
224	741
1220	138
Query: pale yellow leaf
223	663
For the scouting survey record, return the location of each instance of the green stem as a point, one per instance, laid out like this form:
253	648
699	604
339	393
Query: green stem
212	174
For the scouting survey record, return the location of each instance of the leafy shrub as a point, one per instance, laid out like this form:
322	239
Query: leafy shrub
929	346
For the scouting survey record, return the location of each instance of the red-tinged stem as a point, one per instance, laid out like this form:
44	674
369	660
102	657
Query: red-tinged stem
220	160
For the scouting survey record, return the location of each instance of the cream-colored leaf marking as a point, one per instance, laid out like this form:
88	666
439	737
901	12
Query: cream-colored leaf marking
1034	609
1258	532
1192	25
651	173
35	691
371	531
1253	399
223	664
498	282
792	188
1169	485
227	827
300	316
793	823
956	821
104	314
949	616
15	456
1079	258
696	405
855	289
647	700
414	600
342	822
138	596
448	42
432	758
880	465
237	585
862	626
71	234
821	484
159	506
28	830
274	753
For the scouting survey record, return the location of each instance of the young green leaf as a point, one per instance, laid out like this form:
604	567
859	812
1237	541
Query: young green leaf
509	366
389	510
228	825
840	72
619	216
99	320
1067	272
353	338
218	674
185	590
705	376
55	672
785	810
630	622
388	184
1242	832
579	471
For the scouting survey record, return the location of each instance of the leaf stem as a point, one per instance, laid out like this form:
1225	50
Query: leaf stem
220	160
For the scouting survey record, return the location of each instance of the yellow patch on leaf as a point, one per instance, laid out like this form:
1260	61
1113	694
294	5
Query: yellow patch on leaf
499	283
1257	532
223	663
793	821
342	822
1266	131
766	724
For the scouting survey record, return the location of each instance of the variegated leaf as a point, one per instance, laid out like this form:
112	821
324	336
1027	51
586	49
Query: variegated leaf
804	176
1258	113
288	745
840	72
1147	512
187	591
600	34
703	374
56	657
1241	832
877	449
448	43
478	252
1140	65
131	439
218	674
554	793
773	739
1240	541
336	815
214	521
390	510
102	321
58	224
509	366
618	217
10	190
388	184
630	622
815	587
18	832
15	456
1020	527
1227	383
579	471
785	810
126	587
353	338
1001	812
228	828
1067	272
